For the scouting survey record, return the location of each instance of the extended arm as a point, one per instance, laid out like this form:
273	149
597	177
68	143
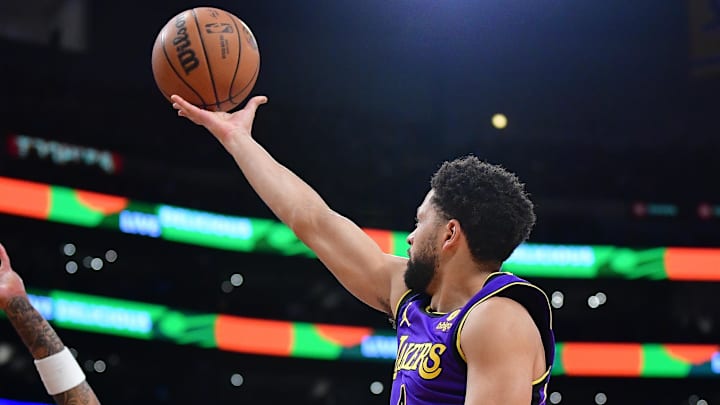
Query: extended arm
349	253
504	353
38	336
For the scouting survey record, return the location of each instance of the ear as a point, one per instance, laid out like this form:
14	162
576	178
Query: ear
453	234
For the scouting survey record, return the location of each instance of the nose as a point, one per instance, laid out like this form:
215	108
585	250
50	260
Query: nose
410	238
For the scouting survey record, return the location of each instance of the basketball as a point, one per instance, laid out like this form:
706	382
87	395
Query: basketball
207	56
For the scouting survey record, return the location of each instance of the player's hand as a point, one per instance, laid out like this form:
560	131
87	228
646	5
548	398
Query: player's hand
224	126
11	285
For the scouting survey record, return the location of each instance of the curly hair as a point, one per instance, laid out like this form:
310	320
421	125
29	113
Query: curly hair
490	203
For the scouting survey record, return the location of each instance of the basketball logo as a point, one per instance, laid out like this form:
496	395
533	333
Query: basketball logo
219	28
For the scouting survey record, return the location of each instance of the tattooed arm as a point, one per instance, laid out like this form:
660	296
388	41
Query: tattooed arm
37	334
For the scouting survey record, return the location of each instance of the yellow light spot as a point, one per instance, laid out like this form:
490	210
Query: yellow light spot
499	121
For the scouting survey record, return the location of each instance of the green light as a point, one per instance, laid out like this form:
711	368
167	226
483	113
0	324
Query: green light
66	208
635	264
228	232
187	329
657	362
400	245
308	343
250	235
104	315
147	321
558	368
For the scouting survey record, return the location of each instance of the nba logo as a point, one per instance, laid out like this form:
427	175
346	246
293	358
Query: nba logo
218	28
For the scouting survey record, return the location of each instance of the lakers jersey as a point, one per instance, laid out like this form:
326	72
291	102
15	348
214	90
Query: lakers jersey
429	368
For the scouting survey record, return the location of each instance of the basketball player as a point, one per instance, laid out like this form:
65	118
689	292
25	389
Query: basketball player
467	332
58	369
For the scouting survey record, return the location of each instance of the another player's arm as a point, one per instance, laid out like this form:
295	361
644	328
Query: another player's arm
35	332
42	341
500	342
346	250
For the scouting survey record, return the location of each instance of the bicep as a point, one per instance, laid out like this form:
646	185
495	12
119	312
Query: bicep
355	259
499	344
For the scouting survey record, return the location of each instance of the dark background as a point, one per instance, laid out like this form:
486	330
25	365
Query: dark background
607	107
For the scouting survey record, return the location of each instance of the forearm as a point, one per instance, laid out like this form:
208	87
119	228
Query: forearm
42	341
352	256
289	197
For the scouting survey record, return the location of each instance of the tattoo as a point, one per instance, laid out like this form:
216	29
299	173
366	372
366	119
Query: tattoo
42	341
35	332
80	395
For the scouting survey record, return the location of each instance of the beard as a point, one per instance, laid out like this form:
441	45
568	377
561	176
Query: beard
420	273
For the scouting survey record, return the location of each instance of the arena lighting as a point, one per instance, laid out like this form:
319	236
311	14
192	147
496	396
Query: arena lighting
236	280
593	302
62	154
7	351
96	264
557	299
499	121
69	249
184	225
237	380
99	366
71	267
111	256
226	287
11	402
647	209
267	337
707	211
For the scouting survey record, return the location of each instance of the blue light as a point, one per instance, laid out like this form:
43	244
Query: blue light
715	363
379	347
11	402
139	223
205	222
44	305
552	255
103	316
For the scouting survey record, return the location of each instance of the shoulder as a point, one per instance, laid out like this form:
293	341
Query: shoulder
497	308
522	292
501	347
497	325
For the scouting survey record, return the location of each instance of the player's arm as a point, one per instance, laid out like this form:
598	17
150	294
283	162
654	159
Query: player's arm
40	339
346	250
500	342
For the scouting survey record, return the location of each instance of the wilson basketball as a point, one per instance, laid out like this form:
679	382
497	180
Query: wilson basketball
207	56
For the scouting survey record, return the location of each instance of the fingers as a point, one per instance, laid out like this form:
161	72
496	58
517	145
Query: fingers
180	104
253	104
4	258
256	102
187	110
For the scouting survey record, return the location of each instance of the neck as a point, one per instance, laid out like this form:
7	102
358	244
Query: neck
456	282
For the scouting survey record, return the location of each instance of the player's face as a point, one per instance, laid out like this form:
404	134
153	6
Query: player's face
423	262
421	269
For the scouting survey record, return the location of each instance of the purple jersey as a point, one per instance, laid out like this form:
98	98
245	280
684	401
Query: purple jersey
430	369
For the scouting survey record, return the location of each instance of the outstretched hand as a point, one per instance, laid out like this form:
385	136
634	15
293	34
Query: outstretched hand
11	285
224	126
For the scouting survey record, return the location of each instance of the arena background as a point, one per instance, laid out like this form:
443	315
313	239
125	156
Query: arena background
175	284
